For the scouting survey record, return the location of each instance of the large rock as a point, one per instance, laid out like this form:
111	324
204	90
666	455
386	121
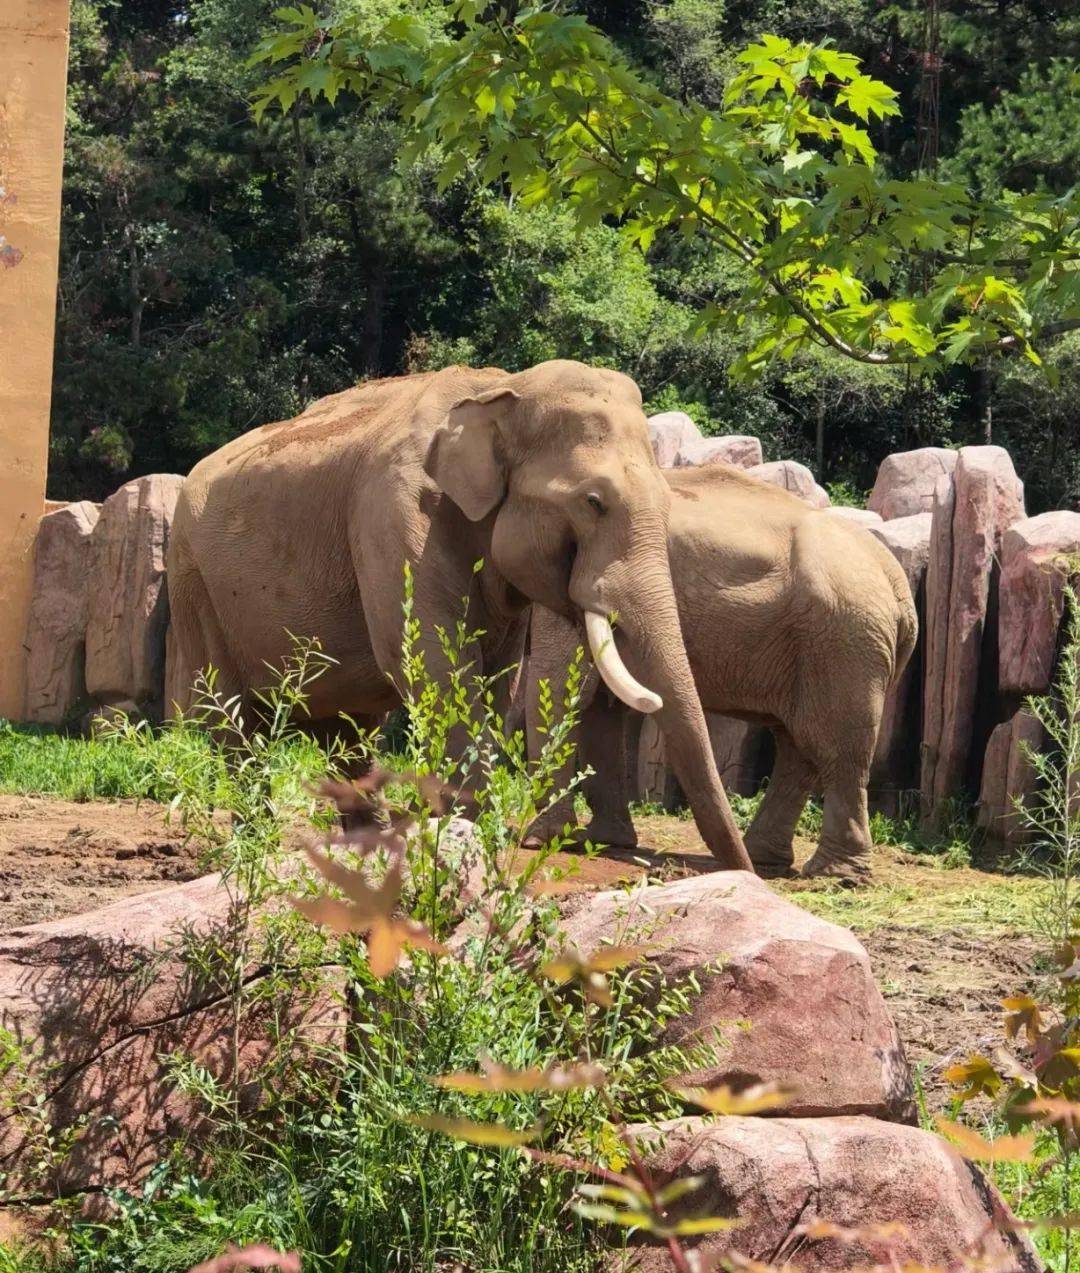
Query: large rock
1035	562
743	452
972	512
793	477
779	1175
102	1000
669	432
895	770
1007	776
56	632
906	481
782	994
129	607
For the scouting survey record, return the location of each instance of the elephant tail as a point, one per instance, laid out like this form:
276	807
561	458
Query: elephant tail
907	625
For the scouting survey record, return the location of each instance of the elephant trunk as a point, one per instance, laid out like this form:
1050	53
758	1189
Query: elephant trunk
654	646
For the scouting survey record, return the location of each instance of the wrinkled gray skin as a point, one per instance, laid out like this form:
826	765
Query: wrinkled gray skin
792	617
305	526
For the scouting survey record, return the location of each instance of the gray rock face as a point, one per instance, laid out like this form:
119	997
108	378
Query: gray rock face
779	1175
906	481
1034	566
129	609
743	452
56	632
972	512
784	995
669	432
896	760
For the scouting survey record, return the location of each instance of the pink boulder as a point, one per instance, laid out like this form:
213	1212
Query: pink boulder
778	1176
793	477
906	481
56	631
972	512
1035	562
896	760
1008	776
669	432
743	452
784	995
100	1002
129	606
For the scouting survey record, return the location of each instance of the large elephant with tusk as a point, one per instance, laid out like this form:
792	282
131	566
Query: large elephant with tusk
794	618
305	527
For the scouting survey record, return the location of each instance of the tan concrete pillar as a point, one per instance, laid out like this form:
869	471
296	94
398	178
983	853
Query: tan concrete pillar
33	82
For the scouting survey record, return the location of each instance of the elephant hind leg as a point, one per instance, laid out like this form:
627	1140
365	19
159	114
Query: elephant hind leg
195	643
769	840
843	850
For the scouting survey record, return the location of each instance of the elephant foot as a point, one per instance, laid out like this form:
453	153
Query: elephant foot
771	863
616	835
850	869
543	830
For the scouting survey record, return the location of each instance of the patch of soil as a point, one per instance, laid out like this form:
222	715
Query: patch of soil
58	858
944	991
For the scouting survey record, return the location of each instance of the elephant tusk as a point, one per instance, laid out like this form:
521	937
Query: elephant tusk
613	669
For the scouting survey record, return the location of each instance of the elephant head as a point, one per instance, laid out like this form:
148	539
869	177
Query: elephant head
559	458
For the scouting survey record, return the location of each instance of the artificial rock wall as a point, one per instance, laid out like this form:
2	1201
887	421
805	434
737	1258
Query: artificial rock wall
988	583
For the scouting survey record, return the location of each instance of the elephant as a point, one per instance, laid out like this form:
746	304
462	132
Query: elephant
792	617
547	475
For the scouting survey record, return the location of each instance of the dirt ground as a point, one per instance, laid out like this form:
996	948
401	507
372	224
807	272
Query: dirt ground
946	945
58	858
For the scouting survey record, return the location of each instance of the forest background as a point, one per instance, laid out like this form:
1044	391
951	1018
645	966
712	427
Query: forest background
217	273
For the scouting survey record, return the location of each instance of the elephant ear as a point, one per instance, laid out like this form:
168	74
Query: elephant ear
465	459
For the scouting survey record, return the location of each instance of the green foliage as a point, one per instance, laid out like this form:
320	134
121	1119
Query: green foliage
782	177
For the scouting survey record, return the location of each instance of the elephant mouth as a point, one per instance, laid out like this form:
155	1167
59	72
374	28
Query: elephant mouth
613	670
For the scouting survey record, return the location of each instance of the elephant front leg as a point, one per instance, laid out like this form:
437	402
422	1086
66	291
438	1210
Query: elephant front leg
553	643
770	838
604	742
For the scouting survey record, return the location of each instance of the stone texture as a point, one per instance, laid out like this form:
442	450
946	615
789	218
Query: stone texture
906	481
784	995
972	511
743	452
56	632
895	770
1007	776
129	609
1031	598
669	432
778	1175
97	1000
793	477
860	516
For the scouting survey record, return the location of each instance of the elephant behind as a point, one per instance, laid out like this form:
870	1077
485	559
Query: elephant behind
793	618
306	526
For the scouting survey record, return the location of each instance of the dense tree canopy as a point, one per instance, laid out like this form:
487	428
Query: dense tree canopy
218	272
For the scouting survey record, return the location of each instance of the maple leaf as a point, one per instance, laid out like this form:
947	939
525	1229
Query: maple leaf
975	1075
1022	1014
973	1146
475	1133
589	972
497	1078
865	97
750	1100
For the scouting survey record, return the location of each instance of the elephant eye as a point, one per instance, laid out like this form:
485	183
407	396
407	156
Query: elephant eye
595	502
